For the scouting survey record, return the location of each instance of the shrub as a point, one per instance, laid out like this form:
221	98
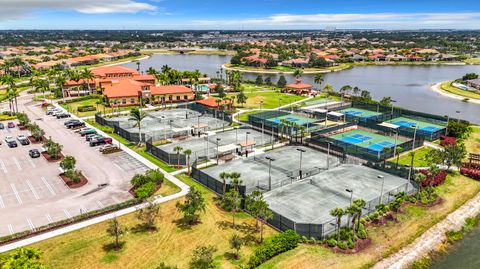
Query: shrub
313	240
273	246
86	108
454	236
350	244
304	239
146	190
342	245
332	242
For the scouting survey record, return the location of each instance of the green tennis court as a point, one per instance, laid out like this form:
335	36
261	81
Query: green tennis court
293	118
360	113
421	125
364	139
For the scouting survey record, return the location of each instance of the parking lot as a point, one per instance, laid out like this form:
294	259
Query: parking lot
31	192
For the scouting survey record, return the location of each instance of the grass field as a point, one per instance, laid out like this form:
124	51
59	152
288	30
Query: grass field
270	99
447	86
72	107
418	160
170	244
256	88
473	61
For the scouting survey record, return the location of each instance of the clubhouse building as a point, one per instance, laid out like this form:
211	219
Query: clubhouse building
123	86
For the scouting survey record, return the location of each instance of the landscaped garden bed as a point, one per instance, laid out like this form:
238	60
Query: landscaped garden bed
71	183
34	141
50	159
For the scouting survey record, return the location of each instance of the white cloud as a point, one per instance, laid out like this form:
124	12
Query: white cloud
18	9
369	20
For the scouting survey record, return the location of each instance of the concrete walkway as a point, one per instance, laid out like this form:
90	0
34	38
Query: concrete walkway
184	189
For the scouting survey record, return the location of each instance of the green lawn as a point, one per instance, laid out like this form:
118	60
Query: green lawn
170	243
419	158
473	61
447	86
255	88
270	99
72	107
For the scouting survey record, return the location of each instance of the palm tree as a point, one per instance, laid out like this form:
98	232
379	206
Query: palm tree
353	210
137	115
328	89
338	213
177	149
138	66
166	69
223	177
318	79
399	151
356	90
10	82
151	71
87	76
42	85
297	73
187	153
360	203
345	89
235	179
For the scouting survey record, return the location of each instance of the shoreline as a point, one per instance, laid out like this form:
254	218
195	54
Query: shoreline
279	72
429	241
437	88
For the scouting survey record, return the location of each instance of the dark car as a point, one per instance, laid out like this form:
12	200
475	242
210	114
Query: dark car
11	125
63	115
100	141
2	126
23	140
75	124
71	121
34	153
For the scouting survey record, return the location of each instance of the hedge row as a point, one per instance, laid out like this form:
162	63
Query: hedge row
273	246
81	98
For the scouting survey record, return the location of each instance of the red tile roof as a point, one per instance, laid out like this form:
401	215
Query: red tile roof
299	85
211	102
116	69
169	89
123	88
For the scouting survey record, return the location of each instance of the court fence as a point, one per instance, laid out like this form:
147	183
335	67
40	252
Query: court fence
212	183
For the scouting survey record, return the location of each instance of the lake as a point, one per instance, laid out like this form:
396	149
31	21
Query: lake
408	85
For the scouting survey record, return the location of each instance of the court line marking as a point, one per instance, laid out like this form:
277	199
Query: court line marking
67	213
15	192
32	189
4	168
49	218
48	186
30	223
10	229
2	204
17	163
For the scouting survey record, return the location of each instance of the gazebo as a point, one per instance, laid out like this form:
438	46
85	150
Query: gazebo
299	88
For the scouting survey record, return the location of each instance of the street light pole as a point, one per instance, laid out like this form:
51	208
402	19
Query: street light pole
381	191
413	147
218	142
246	140
328	155
448	120
300	166
351	201
270	160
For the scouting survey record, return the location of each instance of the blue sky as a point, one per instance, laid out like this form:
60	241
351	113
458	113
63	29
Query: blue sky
238	14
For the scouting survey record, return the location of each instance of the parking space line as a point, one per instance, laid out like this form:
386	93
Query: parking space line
30	223
4	168
2	204
10	229
30	161
83	209
100	204
32	189
115	199
50	189
17	163
14	189
67	213
118	167
49	218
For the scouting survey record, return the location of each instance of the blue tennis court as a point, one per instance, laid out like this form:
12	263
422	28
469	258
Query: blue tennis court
425	127
355	138
430	129
381	145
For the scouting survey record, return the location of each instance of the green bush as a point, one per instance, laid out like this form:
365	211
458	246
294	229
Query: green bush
304	239
421	264
86	108
342	245
273	246
332	242
146	190
313	240
350	244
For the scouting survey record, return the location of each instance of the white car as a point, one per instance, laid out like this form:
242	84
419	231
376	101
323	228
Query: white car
9	139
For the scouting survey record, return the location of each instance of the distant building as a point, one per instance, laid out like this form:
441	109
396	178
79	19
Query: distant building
474	83
299	88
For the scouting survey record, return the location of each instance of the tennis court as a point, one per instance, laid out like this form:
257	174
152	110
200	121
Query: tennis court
293	118
421	125
359	113
310	200
364	139
285	167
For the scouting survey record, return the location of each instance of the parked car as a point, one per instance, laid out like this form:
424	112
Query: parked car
92	136
75	124
87	131
23	140
11	142
71	121
34	153
100	141
10	124
63	115
2	126
50	110
56	112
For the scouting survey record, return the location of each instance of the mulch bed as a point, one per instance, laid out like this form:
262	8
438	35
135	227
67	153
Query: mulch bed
74	185
49	158
439	201
33	141
22	127
359	246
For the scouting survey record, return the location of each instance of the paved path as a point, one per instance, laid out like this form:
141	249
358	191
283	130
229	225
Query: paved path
434	236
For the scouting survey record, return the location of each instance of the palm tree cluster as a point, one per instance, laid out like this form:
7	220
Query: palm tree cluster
346	236
15	67
168	75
